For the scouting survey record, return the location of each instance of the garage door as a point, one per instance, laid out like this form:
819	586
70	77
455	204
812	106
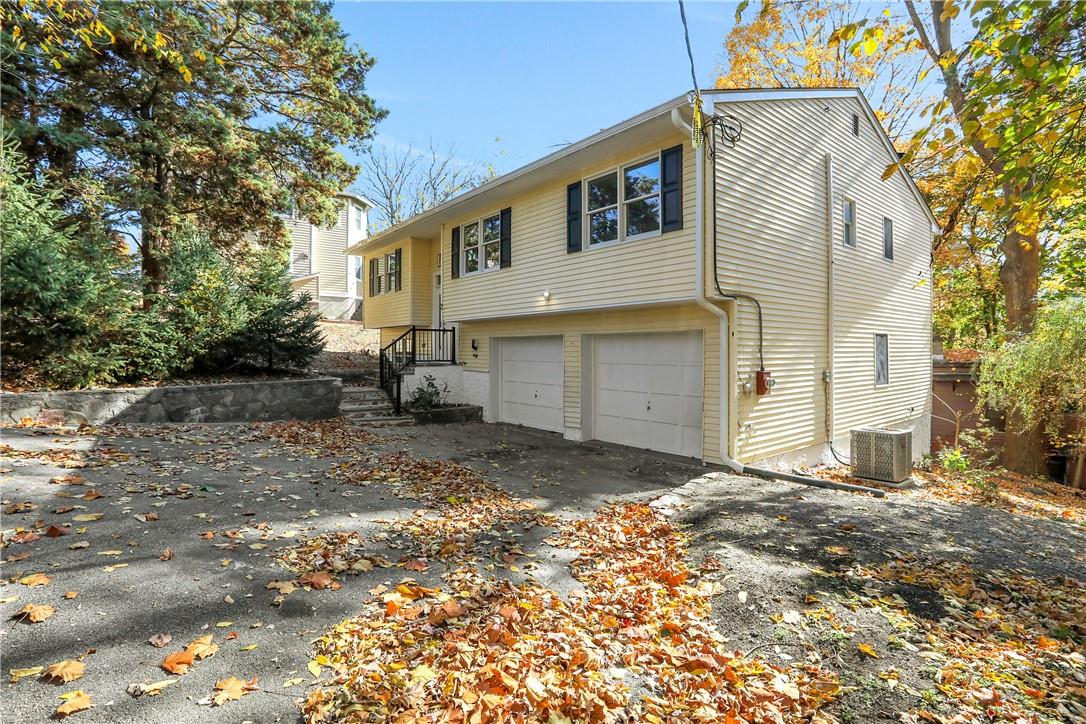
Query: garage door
648	390
531	382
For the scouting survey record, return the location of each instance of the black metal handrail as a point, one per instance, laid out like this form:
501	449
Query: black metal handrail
413	346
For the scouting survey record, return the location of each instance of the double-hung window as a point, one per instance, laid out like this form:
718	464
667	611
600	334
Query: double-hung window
887	238
848	221
482	244
392	272
624	203
358	216
641	197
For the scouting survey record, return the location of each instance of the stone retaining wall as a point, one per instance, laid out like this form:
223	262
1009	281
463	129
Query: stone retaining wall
298	399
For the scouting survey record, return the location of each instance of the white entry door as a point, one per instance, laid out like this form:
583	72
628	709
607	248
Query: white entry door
647	391
531	379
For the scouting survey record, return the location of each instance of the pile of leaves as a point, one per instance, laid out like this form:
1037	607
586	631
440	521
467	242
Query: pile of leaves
1010	645
69	459
316	438
1015	493
466	503
637	643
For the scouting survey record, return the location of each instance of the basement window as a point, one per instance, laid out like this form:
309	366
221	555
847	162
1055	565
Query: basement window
882	360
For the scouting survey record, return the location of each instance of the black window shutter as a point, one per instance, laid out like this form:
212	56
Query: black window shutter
456	252
505	251
671	188
373	277
573	217
399	277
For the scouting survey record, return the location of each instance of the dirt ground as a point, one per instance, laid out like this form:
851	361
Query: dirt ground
197	521
347	345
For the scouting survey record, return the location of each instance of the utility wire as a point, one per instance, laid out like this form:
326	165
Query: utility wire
689	52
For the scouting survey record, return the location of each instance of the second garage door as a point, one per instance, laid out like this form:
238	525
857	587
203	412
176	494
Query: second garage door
532	382
647	391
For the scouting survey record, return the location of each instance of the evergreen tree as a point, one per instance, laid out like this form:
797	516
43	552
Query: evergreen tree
211	114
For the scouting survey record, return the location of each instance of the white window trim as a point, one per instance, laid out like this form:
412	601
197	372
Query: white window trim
483	268
875	359
621	204
845	201
884	257
387	276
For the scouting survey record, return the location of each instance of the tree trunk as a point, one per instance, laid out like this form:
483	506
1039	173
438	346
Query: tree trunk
1024	450
151	267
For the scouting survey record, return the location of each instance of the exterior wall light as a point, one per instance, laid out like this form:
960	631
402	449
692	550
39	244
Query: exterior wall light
546	295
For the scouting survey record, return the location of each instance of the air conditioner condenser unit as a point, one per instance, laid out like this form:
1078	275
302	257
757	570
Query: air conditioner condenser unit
883	455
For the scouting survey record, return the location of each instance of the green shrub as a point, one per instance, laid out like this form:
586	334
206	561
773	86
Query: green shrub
282	330
59	292
1040	376
428	396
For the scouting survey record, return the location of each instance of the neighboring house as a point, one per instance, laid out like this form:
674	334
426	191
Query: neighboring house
317	261
607	291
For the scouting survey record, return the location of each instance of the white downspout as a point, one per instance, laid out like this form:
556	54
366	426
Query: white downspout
830	274
699	288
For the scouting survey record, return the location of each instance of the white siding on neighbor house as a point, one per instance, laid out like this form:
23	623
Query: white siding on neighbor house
771	208
331	262
648	270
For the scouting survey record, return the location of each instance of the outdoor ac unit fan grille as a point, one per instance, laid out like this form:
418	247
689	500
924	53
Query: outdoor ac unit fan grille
884	455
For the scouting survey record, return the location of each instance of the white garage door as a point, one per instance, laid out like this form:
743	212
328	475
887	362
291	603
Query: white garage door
647	391
531	382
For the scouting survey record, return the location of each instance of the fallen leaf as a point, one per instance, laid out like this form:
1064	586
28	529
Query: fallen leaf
87	517
153	689
91	494
868	649
24	536
202	647
742	596
146	517
223	624
80	545
73	701
56	531
160	639
318	580
16	674
63	672
115	566
70	594
416	564
837	550
177	662
20	556
250	647
231	689
35	579
166	555
34	613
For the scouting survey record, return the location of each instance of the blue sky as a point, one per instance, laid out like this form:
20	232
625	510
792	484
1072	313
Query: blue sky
534	75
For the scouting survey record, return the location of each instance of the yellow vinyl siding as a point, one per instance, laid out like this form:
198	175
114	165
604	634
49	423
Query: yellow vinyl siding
422	281
654	269
388	334
772	244
388	309
576	329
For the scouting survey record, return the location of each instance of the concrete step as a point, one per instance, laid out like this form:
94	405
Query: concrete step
381	421
350	395
376	406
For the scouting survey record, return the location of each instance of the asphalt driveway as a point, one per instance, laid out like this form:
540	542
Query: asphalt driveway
178	531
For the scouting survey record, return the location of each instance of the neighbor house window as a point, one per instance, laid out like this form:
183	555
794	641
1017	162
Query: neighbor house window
359	216
481	244
848	219
887	238
882	359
